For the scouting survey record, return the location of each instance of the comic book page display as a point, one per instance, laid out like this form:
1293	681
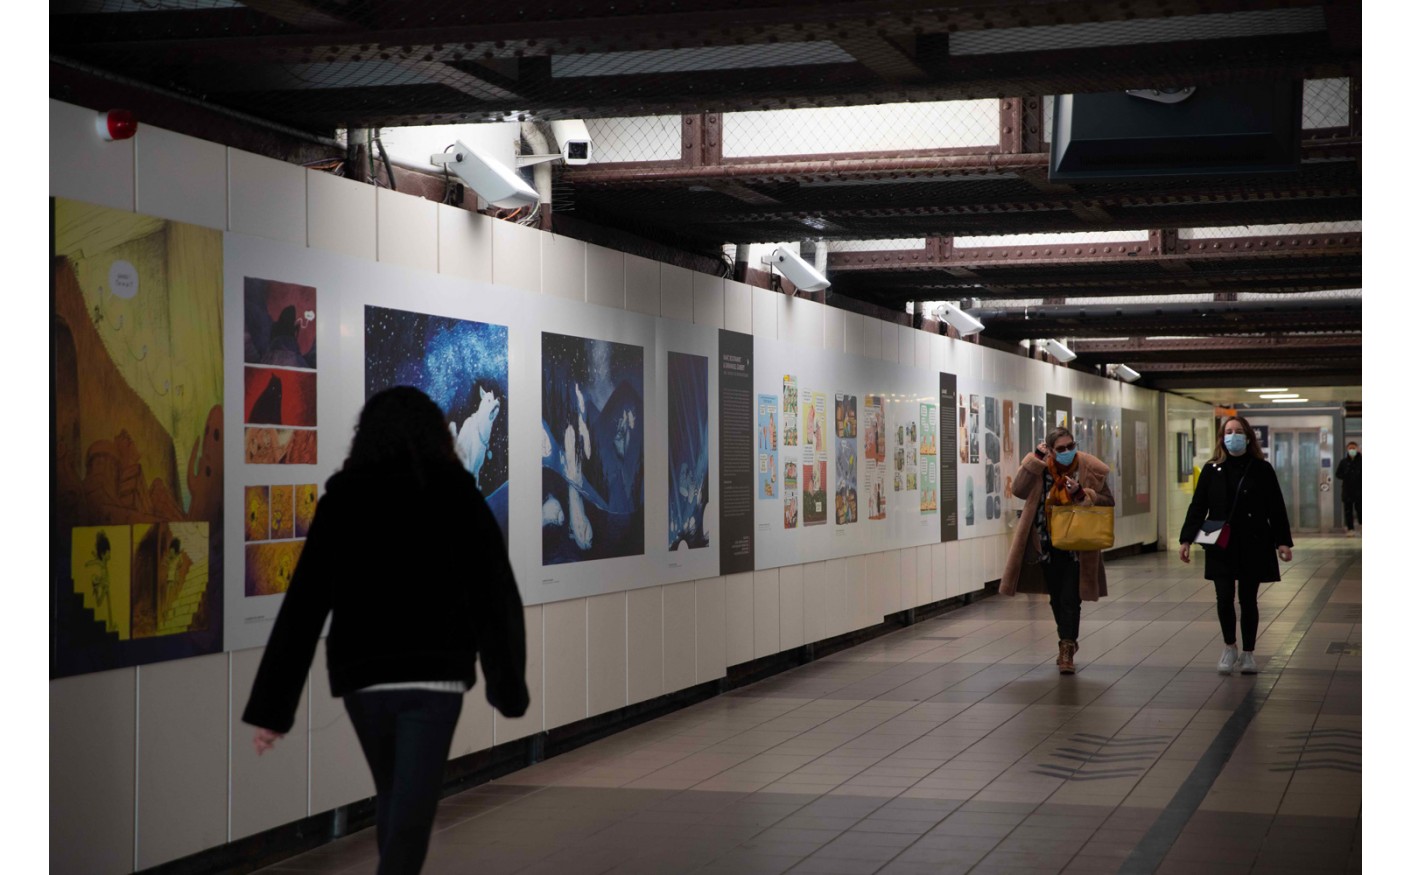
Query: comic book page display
911	460
929	474
138	381
791	458
874	459
767	444
1009	449
845	494
281	356
817	423
463	366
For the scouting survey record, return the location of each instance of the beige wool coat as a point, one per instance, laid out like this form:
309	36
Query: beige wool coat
1023	572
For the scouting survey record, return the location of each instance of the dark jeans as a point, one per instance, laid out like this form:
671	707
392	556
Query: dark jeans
1348	505
1248	610
405	735
1061	574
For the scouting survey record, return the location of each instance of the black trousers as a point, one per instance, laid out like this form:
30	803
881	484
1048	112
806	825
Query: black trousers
405	735
1348	505
1060	573
1248	610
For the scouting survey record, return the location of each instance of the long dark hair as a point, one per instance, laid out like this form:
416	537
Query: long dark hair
1221	454
402	425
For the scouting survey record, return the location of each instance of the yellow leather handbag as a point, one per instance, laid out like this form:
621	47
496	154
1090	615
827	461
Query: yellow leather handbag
1080	527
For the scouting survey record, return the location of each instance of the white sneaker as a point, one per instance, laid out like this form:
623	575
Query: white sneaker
1228	658
1247	665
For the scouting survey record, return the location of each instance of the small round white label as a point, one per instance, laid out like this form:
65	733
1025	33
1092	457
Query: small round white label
122	279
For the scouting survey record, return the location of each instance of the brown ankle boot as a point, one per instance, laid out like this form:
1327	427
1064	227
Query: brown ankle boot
1066	649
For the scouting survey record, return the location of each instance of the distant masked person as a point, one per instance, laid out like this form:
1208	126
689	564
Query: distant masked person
1349	473
1240	488
1055	473
407	557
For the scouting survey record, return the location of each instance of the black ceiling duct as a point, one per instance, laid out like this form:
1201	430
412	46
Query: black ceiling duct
1253	127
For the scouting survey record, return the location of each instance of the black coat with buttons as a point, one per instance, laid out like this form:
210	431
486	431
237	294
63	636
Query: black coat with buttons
1259	524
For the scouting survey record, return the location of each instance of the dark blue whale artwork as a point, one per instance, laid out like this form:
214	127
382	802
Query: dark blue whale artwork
591	443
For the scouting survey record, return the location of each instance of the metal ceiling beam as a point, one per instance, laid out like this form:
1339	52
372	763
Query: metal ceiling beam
1237	376
1053	255
1140	352
309	16
604	25
1205	62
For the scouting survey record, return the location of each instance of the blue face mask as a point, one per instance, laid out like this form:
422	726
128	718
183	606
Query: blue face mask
1236	443
1067	458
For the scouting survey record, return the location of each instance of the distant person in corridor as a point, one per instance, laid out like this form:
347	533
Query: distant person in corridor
407	623
1349	473
1240	487
1057	473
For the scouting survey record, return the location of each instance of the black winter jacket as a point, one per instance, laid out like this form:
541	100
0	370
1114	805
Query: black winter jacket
1349	473
1259	525
418	581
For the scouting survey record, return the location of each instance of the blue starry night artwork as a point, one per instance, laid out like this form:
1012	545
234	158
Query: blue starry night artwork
592	429
464	367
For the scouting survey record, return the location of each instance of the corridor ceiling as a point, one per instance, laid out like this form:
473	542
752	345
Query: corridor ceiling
1195	281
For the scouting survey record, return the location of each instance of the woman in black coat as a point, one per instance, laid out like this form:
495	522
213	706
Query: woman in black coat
409	560
1259	534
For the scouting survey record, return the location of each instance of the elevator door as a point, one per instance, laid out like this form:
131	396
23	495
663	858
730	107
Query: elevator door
1298	460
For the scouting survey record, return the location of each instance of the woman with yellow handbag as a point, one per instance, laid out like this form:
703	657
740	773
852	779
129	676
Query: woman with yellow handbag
1065	524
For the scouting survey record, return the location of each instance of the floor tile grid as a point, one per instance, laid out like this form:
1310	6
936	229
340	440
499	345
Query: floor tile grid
861	729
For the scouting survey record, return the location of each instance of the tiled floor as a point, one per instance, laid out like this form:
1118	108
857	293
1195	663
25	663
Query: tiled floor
954	746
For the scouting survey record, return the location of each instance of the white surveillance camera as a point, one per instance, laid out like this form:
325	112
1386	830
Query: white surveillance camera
574	141
958	319
1057	350
799	272
488	178
1127	373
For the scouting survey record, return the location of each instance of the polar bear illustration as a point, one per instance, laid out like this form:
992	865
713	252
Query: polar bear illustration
472	439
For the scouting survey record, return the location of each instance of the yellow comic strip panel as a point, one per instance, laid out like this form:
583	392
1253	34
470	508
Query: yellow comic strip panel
281	512
305	503
101	569
269	567
256	513
281	446
170	578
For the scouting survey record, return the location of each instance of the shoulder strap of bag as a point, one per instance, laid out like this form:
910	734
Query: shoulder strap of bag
1238	490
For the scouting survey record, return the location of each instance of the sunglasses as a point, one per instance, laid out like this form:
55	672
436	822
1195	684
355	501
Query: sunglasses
1064	448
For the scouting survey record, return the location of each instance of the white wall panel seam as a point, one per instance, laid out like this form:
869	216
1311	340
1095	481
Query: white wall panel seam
229	745
308	215
229	191
308	749
136	764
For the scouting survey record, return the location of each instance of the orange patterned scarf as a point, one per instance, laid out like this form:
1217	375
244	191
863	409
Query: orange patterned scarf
1058	494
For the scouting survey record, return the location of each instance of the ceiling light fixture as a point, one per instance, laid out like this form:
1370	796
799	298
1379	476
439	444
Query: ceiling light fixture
1282	395
1127	373
1275	389
1290	400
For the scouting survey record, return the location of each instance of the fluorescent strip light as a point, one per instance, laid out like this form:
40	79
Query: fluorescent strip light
1279	389
1276	395
1289	400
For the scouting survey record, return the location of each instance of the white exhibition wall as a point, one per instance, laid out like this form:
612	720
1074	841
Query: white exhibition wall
171	773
